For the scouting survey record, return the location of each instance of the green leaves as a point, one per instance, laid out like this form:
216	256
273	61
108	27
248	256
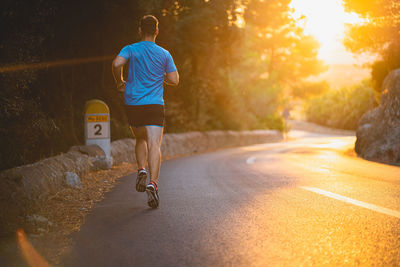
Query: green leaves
342	108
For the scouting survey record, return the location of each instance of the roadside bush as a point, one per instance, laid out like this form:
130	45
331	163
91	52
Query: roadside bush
271	121
307	90
342	108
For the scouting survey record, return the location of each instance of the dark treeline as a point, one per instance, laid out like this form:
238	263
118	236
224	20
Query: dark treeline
232	77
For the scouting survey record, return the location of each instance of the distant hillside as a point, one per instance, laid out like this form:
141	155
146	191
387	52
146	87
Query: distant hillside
340	75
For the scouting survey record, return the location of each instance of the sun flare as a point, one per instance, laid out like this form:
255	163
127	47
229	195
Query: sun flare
325	20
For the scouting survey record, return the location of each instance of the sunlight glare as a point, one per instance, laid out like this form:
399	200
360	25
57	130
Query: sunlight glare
32	257
325	20
49	64
240	22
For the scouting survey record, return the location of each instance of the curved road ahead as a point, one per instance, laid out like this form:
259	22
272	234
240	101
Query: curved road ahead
301	202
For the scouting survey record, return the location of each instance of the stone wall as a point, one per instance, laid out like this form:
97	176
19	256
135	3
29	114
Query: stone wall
35	182
378	133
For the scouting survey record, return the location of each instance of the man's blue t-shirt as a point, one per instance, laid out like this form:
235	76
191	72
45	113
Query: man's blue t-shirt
148	63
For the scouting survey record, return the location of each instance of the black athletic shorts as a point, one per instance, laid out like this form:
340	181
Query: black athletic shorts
145	115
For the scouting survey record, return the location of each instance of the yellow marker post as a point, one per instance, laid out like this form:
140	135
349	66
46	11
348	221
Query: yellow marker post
97	125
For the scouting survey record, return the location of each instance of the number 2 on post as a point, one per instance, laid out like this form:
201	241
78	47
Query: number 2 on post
97	127
98	130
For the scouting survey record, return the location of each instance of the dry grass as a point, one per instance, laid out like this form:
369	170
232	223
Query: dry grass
68	208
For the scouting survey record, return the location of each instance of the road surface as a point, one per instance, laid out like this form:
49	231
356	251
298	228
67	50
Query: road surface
301	202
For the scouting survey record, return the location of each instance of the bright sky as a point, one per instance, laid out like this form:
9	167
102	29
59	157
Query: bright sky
325	20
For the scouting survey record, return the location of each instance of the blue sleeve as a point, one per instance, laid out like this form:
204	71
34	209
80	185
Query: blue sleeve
169	65
125	53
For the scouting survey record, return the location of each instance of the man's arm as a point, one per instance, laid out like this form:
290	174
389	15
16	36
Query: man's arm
172	78
117	70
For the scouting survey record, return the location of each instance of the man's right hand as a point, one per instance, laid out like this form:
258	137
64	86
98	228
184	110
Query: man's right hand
121	86
172	78
117	70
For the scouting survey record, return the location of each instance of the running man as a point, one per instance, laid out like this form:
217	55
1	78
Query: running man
149	66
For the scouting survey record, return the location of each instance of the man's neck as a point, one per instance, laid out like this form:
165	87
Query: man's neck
149	38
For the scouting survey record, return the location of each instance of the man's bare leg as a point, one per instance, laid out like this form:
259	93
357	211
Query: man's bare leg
154	137
141	146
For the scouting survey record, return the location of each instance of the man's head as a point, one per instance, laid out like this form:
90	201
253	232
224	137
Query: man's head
148	26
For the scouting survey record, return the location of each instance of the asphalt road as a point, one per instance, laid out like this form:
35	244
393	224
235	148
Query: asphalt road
301	202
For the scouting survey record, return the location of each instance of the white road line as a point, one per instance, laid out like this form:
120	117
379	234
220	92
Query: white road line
373	207
250	160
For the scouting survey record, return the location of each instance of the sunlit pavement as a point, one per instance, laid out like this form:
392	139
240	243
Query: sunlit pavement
300	202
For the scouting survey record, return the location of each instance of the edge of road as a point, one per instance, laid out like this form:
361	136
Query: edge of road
315	128
303	126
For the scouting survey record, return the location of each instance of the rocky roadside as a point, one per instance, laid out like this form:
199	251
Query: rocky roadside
378	133
50	227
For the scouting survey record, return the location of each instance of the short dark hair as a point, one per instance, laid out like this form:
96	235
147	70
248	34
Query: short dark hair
148	24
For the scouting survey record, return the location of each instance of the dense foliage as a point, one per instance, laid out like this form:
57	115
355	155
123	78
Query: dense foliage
233	75
379	34
341	108
307	90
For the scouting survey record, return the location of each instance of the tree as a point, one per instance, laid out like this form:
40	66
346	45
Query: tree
288	56
378	34
25	126
288	53
203	41
307	90
276	57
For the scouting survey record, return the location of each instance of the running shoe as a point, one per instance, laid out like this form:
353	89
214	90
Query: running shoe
141	180
152	193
